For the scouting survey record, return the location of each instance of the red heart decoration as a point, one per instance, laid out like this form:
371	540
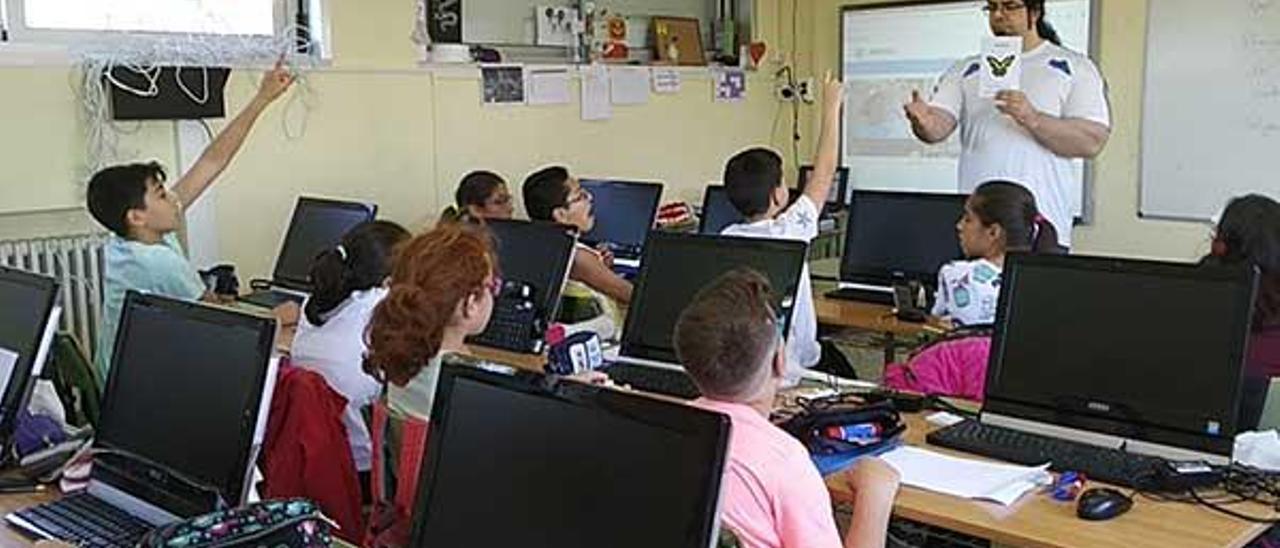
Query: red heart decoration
757	50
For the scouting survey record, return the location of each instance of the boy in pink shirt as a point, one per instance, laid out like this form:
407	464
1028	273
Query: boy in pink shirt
730	342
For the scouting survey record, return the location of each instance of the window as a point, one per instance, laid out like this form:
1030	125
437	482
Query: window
75	22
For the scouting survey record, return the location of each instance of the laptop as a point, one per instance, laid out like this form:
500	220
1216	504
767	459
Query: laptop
183	415
317	224
625	212
718	213
29	316
533	262
895	238
512	451
675	268
1118	364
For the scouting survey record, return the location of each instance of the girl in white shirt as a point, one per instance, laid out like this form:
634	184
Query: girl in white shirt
348	283
999	217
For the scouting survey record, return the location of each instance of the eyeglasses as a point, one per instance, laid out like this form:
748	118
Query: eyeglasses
582	195
1006	7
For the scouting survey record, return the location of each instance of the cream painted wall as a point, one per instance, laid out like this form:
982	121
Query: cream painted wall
1117	229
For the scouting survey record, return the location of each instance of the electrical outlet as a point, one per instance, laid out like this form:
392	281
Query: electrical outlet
807	90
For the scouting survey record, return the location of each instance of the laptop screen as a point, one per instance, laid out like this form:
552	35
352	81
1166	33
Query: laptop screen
717	211
317	225
839	189
893	235
512	453
677	266
1153	351
624	213
184	391
536	254
26	308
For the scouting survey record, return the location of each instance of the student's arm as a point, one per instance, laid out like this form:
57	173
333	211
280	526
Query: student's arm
219	153
589	269
1066	137
875	485
929	123
827	158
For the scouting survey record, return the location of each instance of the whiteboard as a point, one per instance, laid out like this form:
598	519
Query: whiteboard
1211	105
512	21
886	52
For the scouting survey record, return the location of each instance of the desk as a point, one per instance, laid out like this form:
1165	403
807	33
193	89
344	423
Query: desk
1037	520
527	362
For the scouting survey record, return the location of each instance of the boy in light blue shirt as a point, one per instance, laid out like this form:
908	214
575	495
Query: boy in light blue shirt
132	201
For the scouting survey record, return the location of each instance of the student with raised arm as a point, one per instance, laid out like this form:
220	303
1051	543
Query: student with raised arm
754	183
132	202
1030	136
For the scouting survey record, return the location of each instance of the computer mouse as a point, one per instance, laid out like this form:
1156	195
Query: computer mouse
1102	503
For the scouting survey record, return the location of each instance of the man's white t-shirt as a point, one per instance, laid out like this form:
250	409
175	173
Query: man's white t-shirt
798	222
1060	83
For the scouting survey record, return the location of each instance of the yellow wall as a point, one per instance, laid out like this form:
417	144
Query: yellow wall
1116	229
378	129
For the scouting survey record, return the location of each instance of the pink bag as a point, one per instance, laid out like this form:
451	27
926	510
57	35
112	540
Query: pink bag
954	368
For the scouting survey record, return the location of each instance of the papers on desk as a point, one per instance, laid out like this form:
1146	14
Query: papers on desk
965	478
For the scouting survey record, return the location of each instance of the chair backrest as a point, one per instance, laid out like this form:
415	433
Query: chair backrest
399	445
75	381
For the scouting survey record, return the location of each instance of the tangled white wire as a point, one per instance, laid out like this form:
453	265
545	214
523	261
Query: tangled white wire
144	55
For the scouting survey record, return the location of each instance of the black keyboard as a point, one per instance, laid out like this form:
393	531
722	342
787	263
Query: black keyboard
861	295
513	326
1097	463
270	299
653	379
83	520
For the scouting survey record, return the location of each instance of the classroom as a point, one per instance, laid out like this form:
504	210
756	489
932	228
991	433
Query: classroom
714	273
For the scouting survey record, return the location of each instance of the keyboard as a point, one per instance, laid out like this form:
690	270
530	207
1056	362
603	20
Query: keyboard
513	325
862	295
271	299
82	520
652	379
1097	463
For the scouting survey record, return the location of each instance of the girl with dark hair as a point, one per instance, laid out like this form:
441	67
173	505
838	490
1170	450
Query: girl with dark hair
1249	233
481	195
349	280
999	217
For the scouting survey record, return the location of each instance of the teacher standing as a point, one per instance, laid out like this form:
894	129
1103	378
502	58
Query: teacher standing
1029	136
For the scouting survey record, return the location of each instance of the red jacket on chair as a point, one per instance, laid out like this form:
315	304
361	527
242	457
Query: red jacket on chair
306	453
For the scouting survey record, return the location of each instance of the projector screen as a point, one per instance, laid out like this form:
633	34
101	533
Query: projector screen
889	51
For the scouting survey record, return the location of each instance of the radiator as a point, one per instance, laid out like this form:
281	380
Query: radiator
76	262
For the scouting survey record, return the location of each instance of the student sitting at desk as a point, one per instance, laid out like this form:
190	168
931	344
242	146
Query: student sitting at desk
349	281
1249	232
132	201
731	344
552	194
754	183
999	217
481	195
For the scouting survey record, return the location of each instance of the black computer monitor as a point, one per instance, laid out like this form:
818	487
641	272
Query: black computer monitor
537	254
717	211
317	224
542	463
839	195
1139	350
27	325
625	212
893	236
186	390
677	266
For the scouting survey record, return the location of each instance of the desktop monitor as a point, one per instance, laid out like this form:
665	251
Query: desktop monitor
28	320
186	397
677	266
717	211
537	254
547	463
1142	351
317	225
893	236
624	211
839	196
